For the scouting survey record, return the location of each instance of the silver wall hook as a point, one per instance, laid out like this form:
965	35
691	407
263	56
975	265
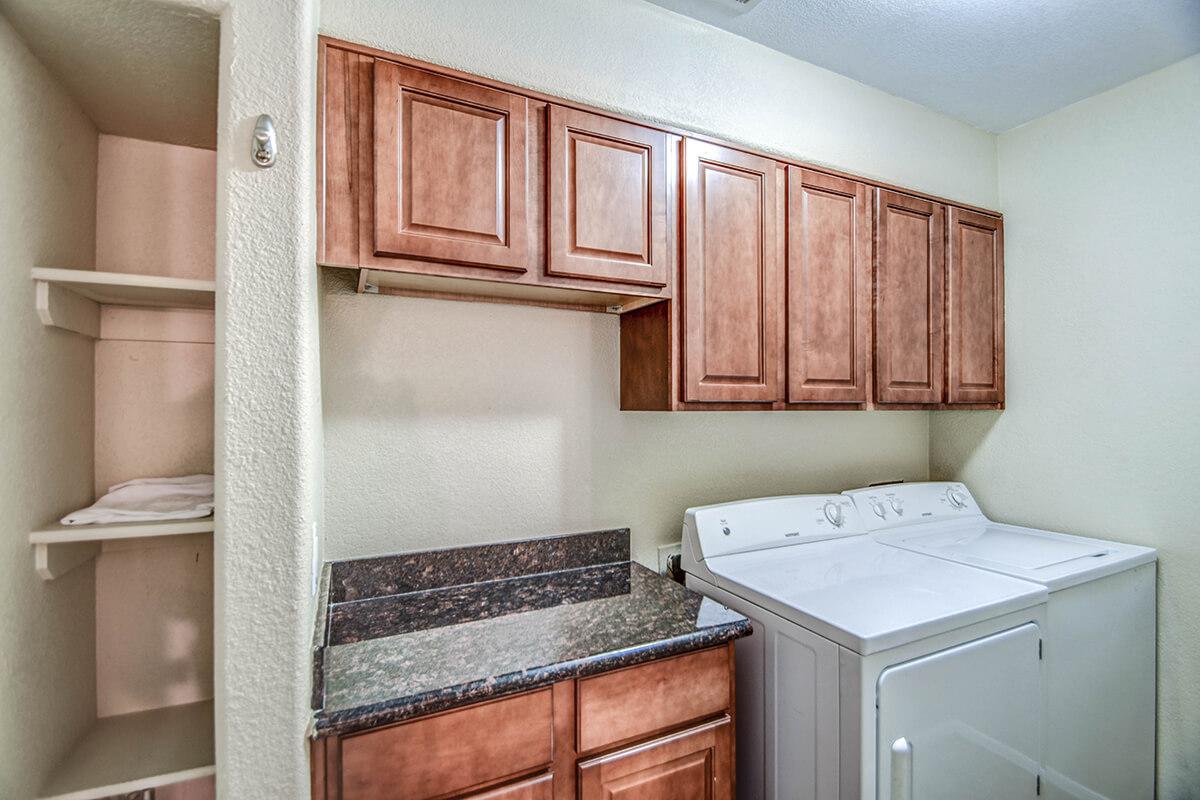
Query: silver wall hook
263	148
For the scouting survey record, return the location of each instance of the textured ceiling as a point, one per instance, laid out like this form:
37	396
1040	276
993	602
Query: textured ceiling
136	67
993	63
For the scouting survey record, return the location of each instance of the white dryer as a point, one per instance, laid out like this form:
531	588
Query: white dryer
1100	629
874	673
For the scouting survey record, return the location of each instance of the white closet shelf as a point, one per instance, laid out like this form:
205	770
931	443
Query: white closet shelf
71	298
58	548
132	752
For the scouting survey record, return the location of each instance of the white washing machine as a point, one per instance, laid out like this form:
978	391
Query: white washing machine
873	672
1100	629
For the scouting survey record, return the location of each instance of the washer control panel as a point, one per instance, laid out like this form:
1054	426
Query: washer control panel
769	522
898	504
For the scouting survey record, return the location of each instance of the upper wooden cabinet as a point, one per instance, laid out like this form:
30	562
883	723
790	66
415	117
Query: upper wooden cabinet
828	288
975	303
608	199
789	286
450	172
909	278
731	277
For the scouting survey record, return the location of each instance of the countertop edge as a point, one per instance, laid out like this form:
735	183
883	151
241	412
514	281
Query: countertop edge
401	709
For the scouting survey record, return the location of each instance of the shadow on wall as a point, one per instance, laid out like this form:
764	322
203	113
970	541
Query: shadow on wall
450	423
955	439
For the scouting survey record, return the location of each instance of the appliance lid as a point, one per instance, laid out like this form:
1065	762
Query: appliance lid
868	596
1057	560
1000	545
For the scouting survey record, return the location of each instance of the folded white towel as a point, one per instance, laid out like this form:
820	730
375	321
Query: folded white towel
148	499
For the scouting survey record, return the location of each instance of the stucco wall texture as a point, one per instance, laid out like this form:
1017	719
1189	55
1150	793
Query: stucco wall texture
47	218
1103	358
268	421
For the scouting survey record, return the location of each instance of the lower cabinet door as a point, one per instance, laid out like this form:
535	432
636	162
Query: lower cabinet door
694	764
539	788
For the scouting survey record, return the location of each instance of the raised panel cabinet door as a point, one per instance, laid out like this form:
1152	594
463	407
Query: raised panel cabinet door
828	288
608	199
695	764
731	279
909	278
975	299
450	170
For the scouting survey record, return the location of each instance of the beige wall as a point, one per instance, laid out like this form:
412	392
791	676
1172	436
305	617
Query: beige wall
450	423
156	208
47	218
155	214
1103	357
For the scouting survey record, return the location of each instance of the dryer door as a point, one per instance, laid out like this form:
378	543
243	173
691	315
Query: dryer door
964	722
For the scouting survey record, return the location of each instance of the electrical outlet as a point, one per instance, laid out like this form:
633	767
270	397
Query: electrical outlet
665	552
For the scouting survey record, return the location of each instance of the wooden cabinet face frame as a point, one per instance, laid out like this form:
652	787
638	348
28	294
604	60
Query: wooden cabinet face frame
829	268
975	308
450	170
910	268
731	278
607	199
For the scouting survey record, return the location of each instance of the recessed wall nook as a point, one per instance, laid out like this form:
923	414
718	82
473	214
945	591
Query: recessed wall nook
146	304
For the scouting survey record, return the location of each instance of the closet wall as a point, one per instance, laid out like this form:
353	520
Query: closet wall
48	171
155	215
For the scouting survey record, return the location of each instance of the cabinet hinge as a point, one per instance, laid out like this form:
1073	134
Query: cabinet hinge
1039	785
1039	649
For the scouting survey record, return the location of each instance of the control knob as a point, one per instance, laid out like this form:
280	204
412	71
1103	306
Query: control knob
877	507
834	513
956	498
897	505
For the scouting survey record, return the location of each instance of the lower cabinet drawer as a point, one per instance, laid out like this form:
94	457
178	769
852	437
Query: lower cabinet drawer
695	764
539	788
453	752
637	702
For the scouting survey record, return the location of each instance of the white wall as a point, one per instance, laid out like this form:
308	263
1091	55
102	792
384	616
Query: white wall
1103	357
268	434
451	423
47	218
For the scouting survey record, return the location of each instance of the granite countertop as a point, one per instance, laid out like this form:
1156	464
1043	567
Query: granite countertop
406	635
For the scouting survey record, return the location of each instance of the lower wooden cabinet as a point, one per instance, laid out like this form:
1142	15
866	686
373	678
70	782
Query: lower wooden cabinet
660	730
473	746
691	765
539	788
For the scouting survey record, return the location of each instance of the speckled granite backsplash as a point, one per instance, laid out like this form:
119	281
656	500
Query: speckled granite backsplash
438	569
404	635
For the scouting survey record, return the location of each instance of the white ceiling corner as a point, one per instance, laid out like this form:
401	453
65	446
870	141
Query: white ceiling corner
995	64
138	68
